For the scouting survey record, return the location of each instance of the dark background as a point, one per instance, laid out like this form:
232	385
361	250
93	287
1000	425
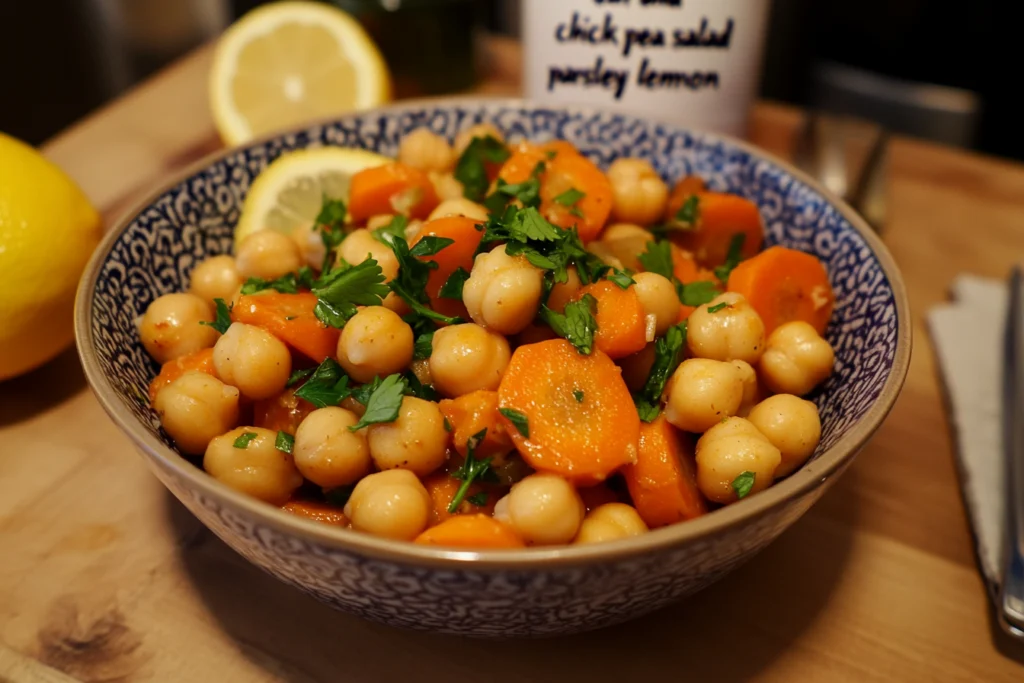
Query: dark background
61	59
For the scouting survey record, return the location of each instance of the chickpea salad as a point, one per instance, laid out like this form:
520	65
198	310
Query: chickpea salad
497	345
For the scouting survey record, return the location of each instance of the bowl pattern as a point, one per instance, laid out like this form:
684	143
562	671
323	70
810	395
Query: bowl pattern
194	219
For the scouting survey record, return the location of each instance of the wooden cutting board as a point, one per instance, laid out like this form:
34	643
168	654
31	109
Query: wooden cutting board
105	577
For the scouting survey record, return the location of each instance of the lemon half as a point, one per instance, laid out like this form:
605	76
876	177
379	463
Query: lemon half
289	62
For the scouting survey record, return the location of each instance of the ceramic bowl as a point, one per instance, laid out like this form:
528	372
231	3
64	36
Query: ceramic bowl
533	592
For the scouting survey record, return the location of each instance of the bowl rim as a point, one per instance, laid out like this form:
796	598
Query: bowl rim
830	463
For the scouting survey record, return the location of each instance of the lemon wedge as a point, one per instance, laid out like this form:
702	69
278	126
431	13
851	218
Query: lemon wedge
288	194
290	62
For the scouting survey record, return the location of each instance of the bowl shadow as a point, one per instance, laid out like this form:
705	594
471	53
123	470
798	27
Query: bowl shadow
41	389
727	632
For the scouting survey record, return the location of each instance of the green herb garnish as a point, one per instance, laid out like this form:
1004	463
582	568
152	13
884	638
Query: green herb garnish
687	215
733	257
478	499
342	289
326	386
222	319
578	324
622	278
697	293
658	259
297	376
414	387
244	439
396	228
331	223
743	483
668	352
452	287
717	307
284	442
383	403
578	395
470	471
518	420
471	168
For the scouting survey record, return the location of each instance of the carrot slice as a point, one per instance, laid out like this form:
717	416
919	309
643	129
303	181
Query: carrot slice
471	531
200	361
686	270
442	487
471	413
318	512
720	217
391	188
290	318
580	421
663	482
281	413
621	319
457	255
783	285
681	191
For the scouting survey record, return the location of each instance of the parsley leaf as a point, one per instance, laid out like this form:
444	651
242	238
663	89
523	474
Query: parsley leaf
733	258
326	386
570	198
396	228
411	282
222	320
244	439
330	222
414	387
622	278
658	259
578	395
577	324
344	288
284	442
362	393
429	246
717	307
743	483
471	169
470	471
518	420
687	215
384	403
286	284
697	293
527	192
297	376
452	287
478	499
423	330
668	352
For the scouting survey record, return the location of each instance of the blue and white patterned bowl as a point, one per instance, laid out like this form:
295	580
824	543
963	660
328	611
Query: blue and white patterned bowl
517	593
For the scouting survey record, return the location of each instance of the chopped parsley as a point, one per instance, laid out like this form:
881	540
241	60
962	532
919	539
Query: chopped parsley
396	228
297	376
527	192
342	289
697	293
447	425
330	222
622	278
244	439
743	483
411	282
414	387
478	499
326	386
452	287
518	420
284	442
222	320
668	352
733	257
578	395
717	307
658	259
578	324
471	470
424	344
570	198
687	215
383	403
288	283
471	168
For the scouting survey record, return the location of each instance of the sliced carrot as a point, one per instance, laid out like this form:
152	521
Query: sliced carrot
663	482
621	319
318	512
442	487
559	147
456	255
783	285
281	413
687	270
720	217
200	361
681	191
596	496
471	531
580	421
290	318
470	414
391	188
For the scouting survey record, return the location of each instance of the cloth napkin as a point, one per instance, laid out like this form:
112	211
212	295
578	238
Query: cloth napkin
967	335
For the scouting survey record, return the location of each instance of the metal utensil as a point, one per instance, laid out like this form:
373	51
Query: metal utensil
1011	597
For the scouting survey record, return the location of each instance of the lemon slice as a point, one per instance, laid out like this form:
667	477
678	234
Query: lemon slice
289	193
289	62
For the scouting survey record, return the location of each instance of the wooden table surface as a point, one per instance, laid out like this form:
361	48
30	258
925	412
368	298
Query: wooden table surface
105	577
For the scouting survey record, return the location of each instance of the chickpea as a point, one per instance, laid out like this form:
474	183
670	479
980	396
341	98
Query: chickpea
361	244
426	150
252	359
257	468
658	296
610	522
732	332
466	358
729	449
603	252
268	254
195	408
393	504
326	452
637	367
459	207
215	278
543	508
751	392
170	327
446	186
480	130
379	221
503	292
639	194
397	304
626	242
702	392
310	244
796	359
375	342
792	425
417	441
564	292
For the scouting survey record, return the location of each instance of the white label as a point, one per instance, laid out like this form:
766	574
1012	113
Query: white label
695	62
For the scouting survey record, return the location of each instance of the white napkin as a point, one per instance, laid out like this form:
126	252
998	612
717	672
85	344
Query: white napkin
967	334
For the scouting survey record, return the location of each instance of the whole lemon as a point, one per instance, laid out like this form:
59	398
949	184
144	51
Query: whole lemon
48	230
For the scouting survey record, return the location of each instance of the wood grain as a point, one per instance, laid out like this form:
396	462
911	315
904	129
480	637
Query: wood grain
105	577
